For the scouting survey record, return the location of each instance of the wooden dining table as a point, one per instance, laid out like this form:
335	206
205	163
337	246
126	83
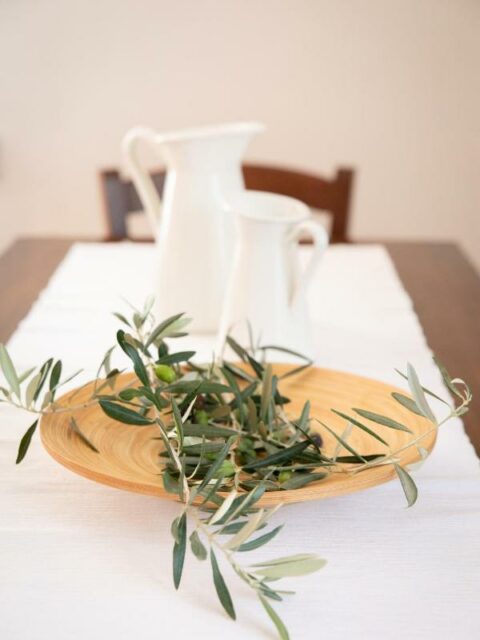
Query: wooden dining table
443	285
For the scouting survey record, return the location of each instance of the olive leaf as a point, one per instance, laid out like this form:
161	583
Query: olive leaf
129	394
105	363
197	546
238	372
275	618
26	374
211	494
239	403
178	421
423	453
260	541
252	415
208	431
55	375
418	394
244	503
266	392
170	484
68	378
9	371
278	458
408	485
446	378
179	549
175	358
246	531
197	387
160	331
31	389
300	565
343	442
407	402
221	588
360	425
76	429
134	356
44	371
383	420
122	414
301	480
122	318
25	442
223	509
217	464
424	389
174	529
234	527
239	350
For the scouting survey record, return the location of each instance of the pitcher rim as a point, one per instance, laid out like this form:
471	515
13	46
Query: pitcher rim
298	211
211	131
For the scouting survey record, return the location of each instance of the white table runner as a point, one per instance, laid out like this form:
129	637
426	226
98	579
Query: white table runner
79	560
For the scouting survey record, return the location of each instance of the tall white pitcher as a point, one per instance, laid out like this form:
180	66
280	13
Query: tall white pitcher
267	287
193	231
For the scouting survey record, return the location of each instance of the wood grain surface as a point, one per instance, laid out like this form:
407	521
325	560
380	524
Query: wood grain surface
129	459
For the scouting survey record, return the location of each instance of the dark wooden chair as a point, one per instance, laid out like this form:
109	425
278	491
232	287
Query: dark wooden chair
333	196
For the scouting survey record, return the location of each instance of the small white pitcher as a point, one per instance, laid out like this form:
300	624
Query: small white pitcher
267	286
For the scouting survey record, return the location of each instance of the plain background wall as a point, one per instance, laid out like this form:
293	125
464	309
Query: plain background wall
391	87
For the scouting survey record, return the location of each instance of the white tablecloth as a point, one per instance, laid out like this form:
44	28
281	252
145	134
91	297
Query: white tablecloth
80	560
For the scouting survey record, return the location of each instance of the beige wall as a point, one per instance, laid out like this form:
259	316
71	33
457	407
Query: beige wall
389	86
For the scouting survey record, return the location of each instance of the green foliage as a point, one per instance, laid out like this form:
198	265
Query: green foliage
121	413
383	420
132	353
408	485
76	429
9	371
360	425
297	565
168	328
55	375
417	392
275	618
407	402
25	442
221	588
260	541
179	549
197	546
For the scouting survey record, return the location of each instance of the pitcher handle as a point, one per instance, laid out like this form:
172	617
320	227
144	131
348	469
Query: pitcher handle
319	237
142	180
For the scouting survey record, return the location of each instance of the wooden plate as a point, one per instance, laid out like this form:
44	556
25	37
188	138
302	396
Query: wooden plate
128	457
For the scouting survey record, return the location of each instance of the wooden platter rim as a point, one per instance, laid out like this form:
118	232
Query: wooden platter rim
319	490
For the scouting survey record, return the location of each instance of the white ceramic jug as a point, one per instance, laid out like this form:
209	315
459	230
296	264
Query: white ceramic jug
193	231
267	286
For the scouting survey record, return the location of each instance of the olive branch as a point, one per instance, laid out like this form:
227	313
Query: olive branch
226	438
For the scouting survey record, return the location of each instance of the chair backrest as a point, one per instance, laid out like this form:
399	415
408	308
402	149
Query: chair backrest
334	196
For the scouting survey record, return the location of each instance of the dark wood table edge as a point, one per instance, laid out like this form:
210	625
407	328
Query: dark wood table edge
442	283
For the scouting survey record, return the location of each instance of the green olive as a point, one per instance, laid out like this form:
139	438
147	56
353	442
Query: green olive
201	416
165	373
245	445
227	468
283	476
